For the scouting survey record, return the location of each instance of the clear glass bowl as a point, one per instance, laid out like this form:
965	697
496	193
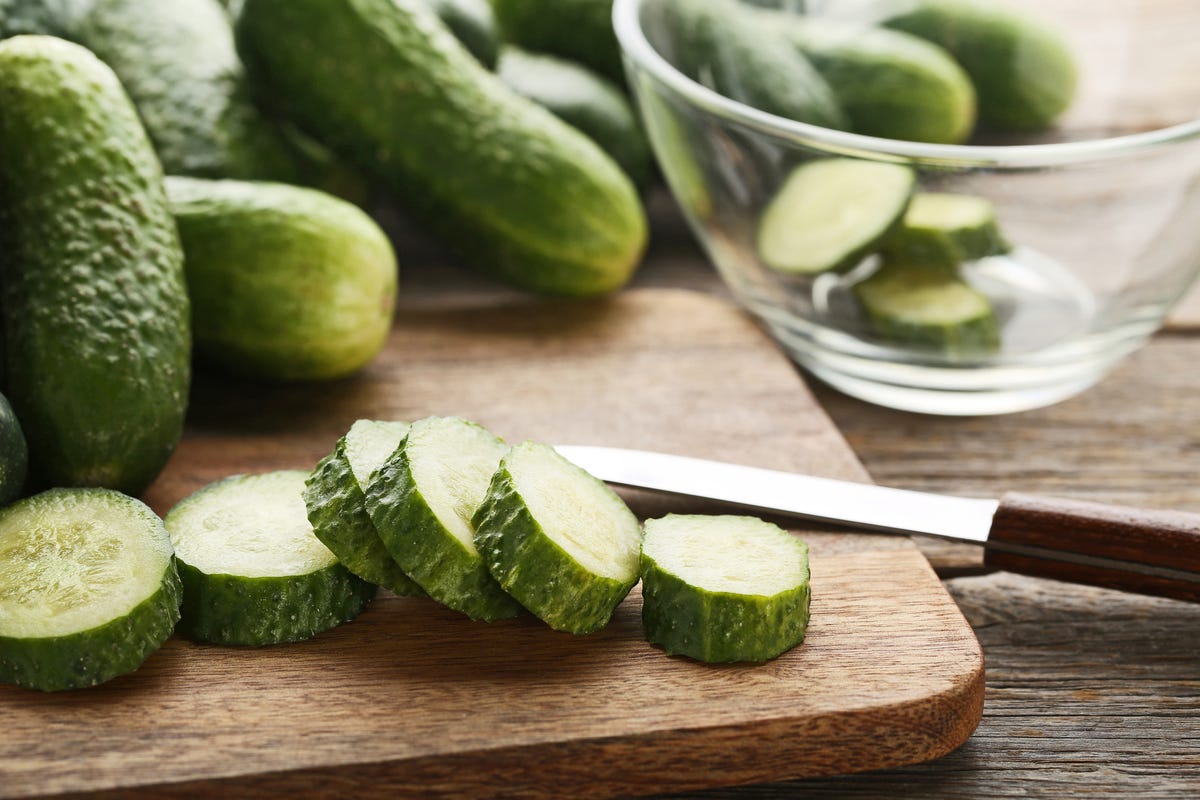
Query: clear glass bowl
1103	211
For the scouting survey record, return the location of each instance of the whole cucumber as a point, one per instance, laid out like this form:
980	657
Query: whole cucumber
578	30
474	23
96	331
518	192
14	455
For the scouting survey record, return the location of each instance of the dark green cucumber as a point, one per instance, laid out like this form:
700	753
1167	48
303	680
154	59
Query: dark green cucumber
945	230
577	30
95	308
474	24
557	539
286	283
88	588
14	455
519	193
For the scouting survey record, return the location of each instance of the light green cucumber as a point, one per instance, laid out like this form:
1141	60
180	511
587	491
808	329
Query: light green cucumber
557	539
253	572
946	230
337	505
422	500
578	30
14	454
474	24
286	283
832	212
1023	69
723	588
94	304
88	588
518	192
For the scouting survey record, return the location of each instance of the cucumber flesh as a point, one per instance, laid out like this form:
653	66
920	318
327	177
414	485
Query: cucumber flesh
831	213
88	588
723	588
946	230
557	539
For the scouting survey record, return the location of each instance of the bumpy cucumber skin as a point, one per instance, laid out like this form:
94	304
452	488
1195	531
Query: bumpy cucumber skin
519	193
14	455
95	308
337	509
1023	71
45	17
286	283
94	656
578	30
537	572
474	24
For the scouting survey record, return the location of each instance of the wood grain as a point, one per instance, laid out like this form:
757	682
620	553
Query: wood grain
413	700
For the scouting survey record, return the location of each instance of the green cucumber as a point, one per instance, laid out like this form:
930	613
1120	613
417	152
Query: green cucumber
474	24
14	455
557	539
253	572
43	17
723	588
88	588
924	308
1023	70
94	304
519	193
577	30
832	212
422	500
583	99
286	283
337	505
946	230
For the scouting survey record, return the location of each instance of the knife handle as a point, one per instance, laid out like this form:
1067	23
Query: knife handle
1132	549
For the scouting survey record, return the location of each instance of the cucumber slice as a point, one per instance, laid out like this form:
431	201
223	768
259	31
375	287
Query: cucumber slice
723	588
421	501
253	572
832	212
945	230
923	307
88	588
557	539
337	505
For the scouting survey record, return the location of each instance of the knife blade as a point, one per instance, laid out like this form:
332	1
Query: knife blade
1140	550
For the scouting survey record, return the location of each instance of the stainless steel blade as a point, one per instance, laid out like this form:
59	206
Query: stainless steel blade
861	505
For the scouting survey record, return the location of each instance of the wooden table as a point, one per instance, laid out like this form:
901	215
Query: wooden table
1090	693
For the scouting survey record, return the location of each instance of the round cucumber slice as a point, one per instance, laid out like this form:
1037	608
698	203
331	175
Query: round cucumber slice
944	230
88	588
337	506
723	588
421	501
253	572
558	540
832	212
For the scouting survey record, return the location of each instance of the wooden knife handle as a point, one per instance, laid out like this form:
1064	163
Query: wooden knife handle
1133	549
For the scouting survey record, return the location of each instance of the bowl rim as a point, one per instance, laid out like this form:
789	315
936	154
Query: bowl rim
636	49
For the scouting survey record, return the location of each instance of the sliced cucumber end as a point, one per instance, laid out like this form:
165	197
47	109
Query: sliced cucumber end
946	230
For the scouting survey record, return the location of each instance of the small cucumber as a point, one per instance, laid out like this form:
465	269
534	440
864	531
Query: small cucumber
88	588
253	572
578	30
557	539
286	283
832	212
14	455
723	588
421	501
337	505
945	230
474	24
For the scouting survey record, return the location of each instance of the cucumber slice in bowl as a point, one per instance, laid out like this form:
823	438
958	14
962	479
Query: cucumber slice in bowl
337	505
832	212
253	572
88	588
944	230
421	501
723	588
558	539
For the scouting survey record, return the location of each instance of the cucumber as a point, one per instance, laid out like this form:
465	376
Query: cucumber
924	308
723	588
577	30
1023	69
519	193
583	99
557	539
474	24
43	17
88	588
252	571
889	83
422	500
286	283
337	505
95	308
946	230
831	212
14	455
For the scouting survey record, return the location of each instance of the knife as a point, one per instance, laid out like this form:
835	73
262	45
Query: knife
1132	549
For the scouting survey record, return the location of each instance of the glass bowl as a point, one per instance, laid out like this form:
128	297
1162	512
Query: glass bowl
1101	211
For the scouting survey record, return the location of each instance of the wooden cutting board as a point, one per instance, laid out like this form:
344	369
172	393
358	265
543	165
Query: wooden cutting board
413	700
